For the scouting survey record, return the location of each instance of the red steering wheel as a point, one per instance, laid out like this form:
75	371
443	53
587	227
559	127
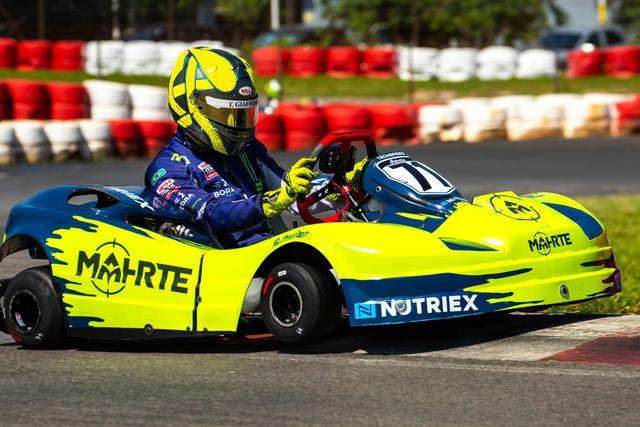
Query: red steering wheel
339	144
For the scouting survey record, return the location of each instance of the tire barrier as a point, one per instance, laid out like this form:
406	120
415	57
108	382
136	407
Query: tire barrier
304	125
65	139
103	58
536	63
67	55
497	63
108	100
29	99
297	126
8	53
584	63
265	60
622	61
307	61
270	131
68	101
346	116
343	61
418	63
142	57
391	123
33	55
148	102
379	62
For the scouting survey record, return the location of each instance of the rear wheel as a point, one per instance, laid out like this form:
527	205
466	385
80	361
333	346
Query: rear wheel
33	312
299	304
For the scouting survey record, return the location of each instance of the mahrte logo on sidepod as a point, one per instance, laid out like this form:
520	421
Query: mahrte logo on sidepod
514	207
418	306
543	244
111	268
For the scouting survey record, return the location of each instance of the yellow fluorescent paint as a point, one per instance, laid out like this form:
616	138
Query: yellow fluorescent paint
89	262
125	279
225	75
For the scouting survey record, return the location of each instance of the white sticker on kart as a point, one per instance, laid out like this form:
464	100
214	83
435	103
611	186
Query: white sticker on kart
416	176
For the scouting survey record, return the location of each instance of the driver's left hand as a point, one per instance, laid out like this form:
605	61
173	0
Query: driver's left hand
354	175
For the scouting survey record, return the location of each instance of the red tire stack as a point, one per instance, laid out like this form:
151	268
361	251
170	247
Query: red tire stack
304	125
34	55
582	64
622	61
343	61
68	100
343	116
127	138
393	123
155	134
265	60
270	131
67	55
5	102
8	53
379	62
306	61
625	117
29	99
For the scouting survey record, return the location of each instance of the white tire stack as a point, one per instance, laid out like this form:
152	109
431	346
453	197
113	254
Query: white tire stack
169	52
480	120
65	139
140	57
439	123
109	100
215	44
510	102
535	63
149	102
497	63
97	138
8	144
541	118
590	115
457	64
417	63
103	57
32	141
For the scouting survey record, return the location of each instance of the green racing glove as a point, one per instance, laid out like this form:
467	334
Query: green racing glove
297	182
354	175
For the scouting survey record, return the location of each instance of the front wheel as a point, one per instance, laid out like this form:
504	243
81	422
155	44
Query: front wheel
299	304
32	310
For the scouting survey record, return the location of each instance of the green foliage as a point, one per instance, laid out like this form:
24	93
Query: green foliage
439	22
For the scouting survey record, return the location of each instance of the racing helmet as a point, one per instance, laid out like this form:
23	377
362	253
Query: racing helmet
213	99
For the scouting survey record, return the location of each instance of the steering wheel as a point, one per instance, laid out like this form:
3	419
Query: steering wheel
336	157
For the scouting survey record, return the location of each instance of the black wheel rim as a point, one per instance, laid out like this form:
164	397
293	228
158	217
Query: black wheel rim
24	312
286	304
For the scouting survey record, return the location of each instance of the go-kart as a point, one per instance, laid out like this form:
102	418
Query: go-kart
402	246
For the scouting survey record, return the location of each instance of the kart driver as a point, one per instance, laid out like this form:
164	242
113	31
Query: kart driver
214	167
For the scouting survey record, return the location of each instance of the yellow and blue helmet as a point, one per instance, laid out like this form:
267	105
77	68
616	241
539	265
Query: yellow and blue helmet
213	99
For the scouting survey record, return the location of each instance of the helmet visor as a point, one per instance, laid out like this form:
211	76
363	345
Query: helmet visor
236	114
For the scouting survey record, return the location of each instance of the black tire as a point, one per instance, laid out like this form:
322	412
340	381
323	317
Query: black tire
4	283
299	304
33	311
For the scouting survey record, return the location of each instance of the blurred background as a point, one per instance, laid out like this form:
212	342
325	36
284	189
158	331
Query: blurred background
238	23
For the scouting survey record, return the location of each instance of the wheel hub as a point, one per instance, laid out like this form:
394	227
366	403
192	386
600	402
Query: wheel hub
24	311
286	304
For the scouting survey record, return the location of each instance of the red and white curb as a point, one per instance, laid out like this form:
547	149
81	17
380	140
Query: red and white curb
609	339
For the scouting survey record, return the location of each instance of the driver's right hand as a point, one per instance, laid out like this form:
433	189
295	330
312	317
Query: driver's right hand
299	176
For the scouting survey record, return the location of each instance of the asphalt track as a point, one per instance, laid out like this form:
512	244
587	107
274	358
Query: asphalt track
508	370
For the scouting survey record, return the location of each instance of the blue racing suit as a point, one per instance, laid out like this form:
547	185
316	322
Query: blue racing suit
223	193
